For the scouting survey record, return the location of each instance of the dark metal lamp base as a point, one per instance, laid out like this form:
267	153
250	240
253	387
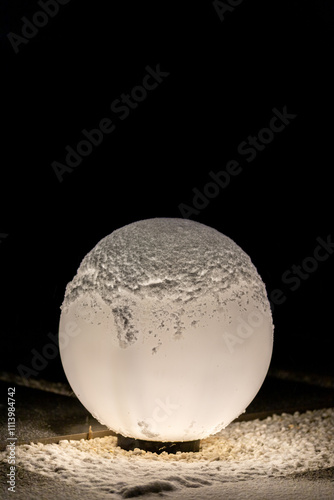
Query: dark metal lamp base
157	446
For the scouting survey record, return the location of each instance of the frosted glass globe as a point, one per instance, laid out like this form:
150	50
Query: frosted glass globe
166	332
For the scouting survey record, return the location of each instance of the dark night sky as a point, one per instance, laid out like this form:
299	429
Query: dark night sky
221	82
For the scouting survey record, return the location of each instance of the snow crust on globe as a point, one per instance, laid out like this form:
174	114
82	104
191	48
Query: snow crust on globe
166	331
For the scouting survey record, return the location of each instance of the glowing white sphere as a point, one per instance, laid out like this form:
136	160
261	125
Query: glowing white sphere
166	331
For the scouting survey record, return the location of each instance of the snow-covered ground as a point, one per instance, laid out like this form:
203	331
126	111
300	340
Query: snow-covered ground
260	459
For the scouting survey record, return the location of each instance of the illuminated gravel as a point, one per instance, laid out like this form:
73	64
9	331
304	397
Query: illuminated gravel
256	451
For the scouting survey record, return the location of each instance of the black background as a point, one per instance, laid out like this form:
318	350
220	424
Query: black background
225	77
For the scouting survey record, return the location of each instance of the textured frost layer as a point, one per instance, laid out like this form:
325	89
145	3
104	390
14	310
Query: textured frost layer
163	258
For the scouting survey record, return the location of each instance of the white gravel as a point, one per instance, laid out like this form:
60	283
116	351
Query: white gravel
242	461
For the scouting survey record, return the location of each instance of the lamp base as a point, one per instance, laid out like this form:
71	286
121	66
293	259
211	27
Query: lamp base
157	446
